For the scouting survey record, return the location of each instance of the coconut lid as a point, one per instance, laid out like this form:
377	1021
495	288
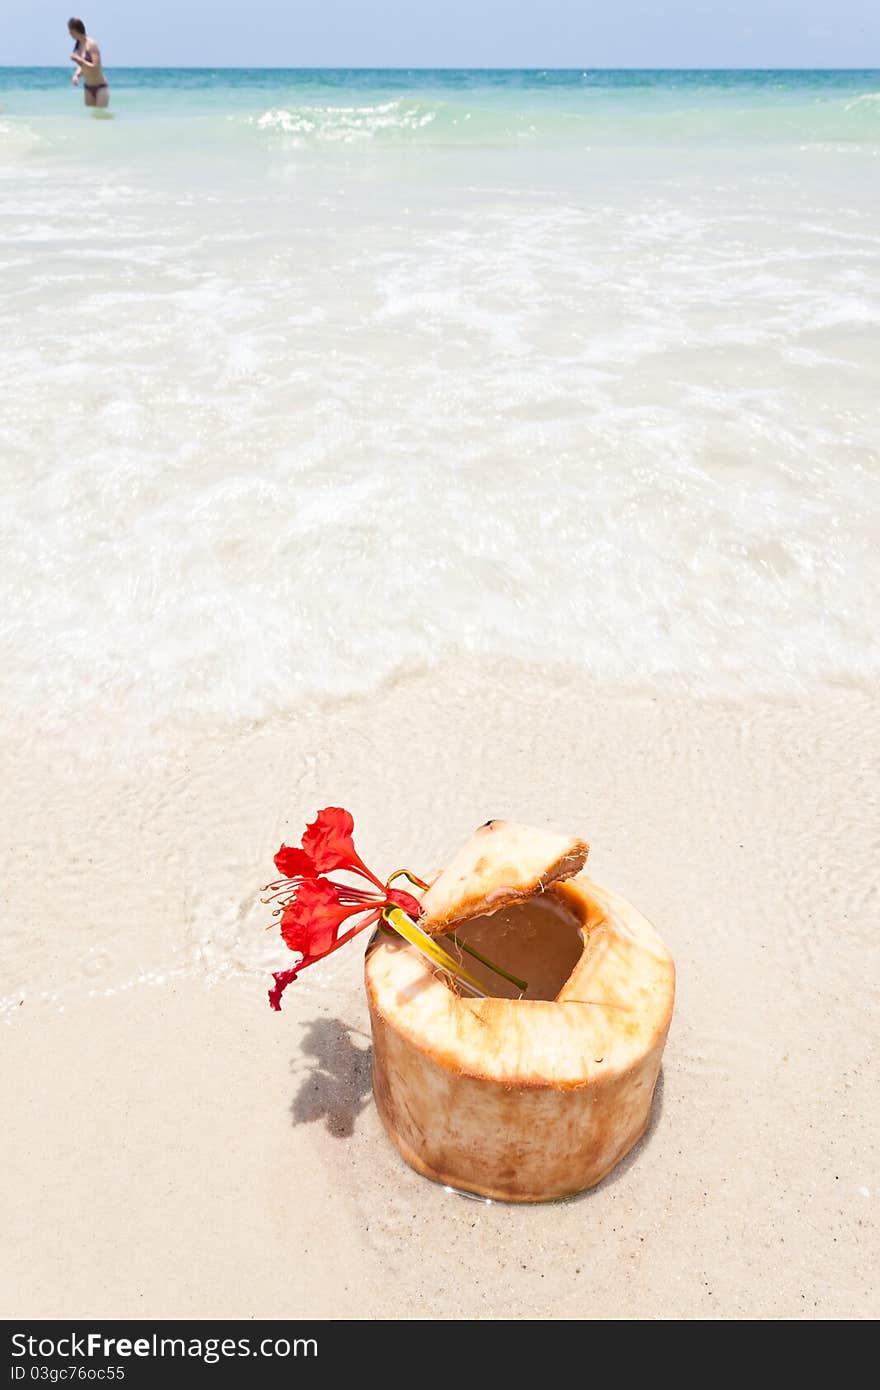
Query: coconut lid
502	863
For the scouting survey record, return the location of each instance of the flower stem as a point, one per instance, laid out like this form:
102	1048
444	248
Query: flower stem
472	951
405	873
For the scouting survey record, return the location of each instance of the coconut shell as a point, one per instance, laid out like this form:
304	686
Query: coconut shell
501	864
524	1100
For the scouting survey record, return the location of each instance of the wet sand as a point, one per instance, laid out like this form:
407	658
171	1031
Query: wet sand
172	1148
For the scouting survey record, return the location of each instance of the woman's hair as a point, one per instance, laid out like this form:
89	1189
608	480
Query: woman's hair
77	25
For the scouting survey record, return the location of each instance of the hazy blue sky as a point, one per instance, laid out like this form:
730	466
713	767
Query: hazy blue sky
454	33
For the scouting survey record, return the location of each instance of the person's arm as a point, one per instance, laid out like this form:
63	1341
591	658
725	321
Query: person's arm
90	58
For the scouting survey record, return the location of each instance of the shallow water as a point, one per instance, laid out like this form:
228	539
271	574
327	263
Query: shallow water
312	379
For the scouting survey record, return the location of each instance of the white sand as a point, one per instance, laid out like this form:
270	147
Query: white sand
176	1149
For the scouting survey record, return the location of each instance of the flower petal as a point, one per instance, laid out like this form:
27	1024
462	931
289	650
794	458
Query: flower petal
282	979
328	843
285	977
398	898
328	839
312	919
294	863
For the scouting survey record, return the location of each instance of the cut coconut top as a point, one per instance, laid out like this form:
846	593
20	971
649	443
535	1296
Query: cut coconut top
502	863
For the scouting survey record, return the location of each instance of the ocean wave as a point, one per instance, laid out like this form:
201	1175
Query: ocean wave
435	121
346	124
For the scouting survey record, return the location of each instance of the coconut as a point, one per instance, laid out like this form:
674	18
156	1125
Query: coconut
528	1095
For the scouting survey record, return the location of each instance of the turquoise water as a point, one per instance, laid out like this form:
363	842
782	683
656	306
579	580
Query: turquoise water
495	106
311	379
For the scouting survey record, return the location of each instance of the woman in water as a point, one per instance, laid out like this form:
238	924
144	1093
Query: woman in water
87	56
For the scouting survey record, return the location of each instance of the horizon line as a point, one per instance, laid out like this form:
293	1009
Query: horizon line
445	67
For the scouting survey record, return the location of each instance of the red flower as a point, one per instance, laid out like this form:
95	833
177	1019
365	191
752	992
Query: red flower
313	908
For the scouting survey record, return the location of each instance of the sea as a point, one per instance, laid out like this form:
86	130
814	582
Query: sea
312	379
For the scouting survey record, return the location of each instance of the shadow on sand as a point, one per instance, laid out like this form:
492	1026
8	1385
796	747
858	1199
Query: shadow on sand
335	1076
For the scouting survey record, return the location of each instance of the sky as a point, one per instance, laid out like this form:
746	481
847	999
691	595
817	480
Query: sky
454	33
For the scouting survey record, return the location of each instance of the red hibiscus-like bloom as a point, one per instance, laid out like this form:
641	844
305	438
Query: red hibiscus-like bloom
313	908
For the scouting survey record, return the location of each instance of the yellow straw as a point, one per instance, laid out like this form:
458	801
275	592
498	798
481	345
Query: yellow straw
406	927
